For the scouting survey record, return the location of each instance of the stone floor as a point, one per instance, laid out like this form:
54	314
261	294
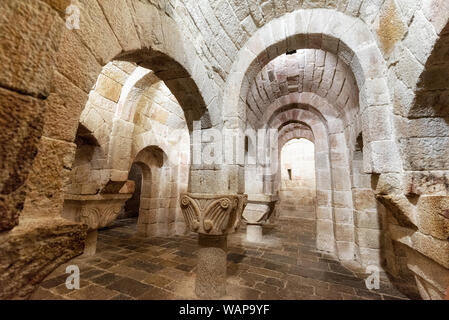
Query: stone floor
286	266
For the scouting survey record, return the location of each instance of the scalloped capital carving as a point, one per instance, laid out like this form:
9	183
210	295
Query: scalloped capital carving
97	211
213	214
99	216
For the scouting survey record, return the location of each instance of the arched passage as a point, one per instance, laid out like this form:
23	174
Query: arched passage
157	210
88	51
333	71
331	36
325	224
132	206
297	194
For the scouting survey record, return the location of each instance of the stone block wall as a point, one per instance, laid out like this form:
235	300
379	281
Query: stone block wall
29	55
386	78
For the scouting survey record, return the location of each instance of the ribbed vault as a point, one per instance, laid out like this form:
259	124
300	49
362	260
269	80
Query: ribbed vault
306	71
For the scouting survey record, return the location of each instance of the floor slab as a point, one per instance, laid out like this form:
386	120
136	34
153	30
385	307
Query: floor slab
285	266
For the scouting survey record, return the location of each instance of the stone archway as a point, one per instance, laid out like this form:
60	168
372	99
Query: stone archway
76	64
360	53
297	195
326	224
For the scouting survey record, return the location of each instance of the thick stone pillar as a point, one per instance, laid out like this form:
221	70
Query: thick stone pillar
213	217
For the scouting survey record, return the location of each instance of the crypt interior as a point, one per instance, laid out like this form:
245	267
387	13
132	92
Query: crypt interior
115	154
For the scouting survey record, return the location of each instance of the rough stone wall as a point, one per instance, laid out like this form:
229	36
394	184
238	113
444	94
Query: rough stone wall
401	30
397	52
29	55
160	121
61	68
76	76
418	75
221	28
158	214
368	213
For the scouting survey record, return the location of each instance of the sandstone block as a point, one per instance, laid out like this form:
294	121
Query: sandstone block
29	46
18	147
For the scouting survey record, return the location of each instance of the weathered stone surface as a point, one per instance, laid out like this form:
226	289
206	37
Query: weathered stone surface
432	278
82	71
58	5
364	199
63	109
351	68
108	88
433	216
426	153
148	24
48	177
427	182
121	21
211	268
391	27
434	249
29	46
22	123
33	250
95	31
96	211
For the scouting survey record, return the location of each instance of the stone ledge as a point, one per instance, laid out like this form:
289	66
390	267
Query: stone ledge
98	197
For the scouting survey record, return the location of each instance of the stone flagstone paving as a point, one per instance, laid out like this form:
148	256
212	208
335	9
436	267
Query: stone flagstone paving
286	266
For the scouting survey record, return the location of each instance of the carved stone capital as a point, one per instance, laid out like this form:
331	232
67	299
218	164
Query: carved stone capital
212	214
100	215
259	208
97	211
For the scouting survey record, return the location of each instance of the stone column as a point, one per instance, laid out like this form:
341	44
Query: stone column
211	268
254	233
257	213
90	247
213	217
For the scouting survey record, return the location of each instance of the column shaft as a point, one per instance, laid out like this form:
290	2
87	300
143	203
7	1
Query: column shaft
211	269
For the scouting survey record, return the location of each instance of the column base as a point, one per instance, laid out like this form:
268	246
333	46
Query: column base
254	233
211	270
